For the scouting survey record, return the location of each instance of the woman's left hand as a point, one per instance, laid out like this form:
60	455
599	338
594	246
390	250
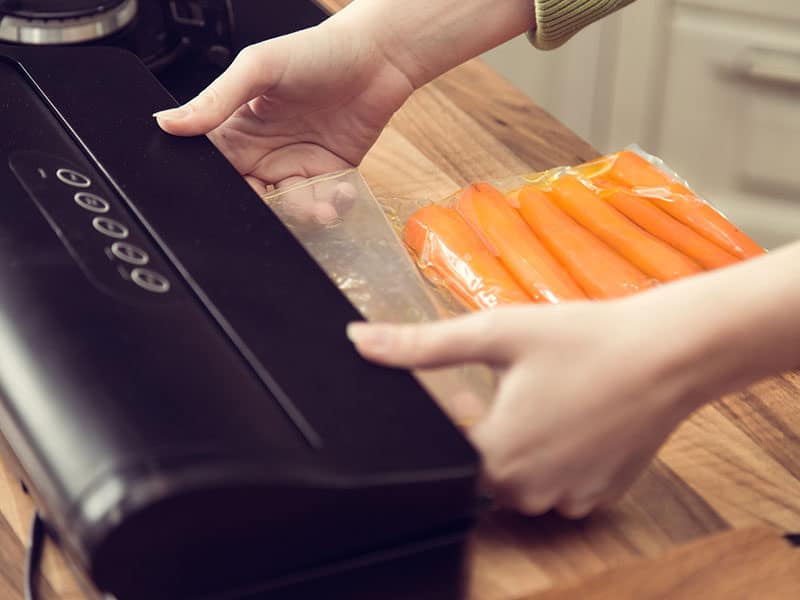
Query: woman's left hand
587	392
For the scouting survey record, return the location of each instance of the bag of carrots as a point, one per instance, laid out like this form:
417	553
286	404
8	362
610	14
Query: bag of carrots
611	227
604	229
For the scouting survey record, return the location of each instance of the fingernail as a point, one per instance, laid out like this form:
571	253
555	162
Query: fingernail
375	338
174	114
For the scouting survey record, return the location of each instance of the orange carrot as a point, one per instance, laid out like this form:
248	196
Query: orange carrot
634	171
596	167
650	254
657	222
708	222
447	248
607	185
601	272
539	274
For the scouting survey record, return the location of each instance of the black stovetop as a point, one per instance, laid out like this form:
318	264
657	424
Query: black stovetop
56	9
185	63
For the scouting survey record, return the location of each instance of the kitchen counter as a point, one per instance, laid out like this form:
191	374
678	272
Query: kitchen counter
706	517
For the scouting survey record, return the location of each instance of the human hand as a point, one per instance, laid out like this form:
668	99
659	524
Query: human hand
298	106
587	392
315	101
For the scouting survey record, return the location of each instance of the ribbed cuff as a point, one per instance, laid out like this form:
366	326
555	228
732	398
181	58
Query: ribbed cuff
559	20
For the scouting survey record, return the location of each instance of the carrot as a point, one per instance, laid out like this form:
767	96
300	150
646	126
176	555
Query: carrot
601	272
447	247
596	167
539	274
608	185
648	253
708	222
634	171
657	222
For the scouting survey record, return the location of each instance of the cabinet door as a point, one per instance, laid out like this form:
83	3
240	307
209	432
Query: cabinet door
731	117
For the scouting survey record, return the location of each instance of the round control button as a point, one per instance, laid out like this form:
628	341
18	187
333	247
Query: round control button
129	253
91	202
110	227
73	178
150	280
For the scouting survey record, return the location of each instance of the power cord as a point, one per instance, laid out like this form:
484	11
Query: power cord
35	546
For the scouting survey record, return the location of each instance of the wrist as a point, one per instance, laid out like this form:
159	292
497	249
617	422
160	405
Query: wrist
424	39
700	364
724	330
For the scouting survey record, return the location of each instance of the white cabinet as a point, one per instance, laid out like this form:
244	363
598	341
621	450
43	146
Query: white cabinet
711	86
730	116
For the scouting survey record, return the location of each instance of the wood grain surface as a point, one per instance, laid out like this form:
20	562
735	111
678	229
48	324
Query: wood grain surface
749	563
705	517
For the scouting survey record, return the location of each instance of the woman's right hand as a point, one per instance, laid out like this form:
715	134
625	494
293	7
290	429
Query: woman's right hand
315	101
297	106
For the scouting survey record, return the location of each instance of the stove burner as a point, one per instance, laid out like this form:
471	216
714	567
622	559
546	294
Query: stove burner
45	22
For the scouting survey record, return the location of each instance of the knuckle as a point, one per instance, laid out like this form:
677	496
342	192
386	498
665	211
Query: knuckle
503	483
510	489
574	507
534	504
484	334
207	99
500	330
511	484
478	336
500	479
246	54
412	341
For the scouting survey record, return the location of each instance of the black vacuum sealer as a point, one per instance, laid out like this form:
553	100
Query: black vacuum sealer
176	387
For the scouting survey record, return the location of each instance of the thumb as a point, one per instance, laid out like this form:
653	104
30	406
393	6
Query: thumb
473	338
254	71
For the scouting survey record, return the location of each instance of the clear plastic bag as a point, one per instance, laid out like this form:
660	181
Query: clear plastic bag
350	235
616	225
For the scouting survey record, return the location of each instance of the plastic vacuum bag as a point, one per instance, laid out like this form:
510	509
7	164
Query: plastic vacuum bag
614	226
350	235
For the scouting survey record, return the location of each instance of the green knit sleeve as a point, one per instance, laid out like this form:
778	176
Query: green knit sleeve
559	20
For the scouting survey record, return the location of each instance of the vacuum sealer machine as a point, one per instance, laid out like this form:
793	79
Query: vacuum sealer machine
176	388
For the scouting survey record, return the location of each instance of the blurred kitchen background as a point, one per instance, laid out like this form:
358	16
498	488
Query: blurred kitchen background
710	86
